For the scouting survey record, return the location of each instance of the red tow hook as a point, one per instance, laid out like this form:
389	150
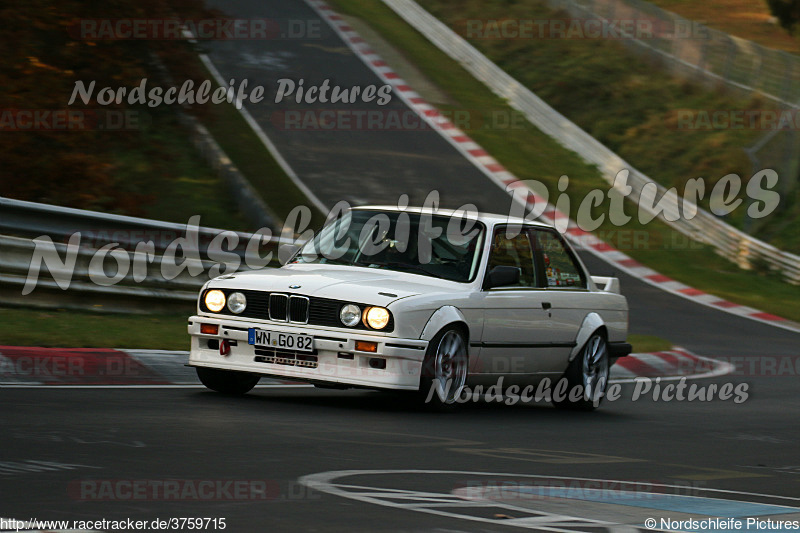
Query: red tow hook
224	347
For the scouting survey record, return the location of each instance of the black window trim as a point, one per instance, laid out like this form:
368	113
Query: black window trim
537	277
539	255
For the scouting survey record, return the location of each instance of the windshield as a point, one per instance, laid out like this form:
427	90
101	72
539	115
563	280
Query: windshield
429	245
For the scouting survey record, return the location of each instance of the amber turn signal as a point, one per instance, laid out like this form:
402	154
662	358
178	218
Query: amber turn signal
366	346
209	329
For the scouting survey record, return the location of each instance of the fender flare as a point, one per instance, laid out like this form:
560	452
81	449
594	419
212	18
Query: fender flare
441	318
591	323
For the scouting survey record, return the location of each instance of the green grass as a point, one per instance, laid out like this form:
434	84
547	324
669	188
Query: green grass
253	159
648	343
240	143
531	155
626	101
165	166
743	18
79	329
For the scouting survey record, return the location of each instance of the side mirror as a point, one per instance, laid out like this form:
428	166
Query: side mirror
502	276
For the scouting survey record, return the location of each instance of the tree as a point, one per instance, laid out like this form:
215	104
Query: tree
787	11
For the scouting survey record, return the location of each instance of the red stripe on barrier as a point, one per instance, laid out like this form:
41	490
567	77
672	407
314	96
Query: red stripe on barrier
687	355
685	362
74	366
659	278
691	291
639	367
767	316
670	358
603	247
539	199
630	263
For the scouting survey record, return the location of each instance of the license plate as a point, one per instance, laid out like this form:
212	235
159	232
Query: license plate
286	341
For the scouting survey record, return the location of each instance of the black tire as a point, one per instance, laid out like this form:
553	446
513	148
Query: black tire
587	376
227	381
444	369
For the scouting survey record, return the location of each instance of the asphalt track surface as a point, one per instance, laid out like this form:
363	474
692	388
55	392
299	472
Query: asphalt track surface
72	453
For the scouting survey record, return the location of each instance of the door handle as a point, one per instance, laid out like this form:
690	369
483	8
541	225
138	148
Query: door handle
546	305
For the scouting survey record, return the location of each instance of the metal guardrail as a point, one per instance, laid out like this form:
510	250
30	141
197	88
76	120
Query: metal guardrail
153	281
704	227
689	47
18	217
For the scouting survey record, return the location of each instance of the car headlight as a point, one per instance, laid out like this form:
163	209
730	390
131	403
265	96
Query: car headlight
350	315
376	317
237	302
215	300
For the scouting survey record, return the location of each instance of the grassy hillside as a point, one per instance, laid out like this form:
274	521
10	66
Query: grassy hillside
629	103
530	154
748	19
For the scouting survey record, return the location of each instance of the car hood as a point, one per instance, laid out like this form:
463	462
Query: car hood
355	284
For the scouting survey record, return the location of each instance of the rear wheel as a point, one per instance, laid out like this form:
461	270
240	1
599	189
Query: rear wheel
227	381
587	376
444	370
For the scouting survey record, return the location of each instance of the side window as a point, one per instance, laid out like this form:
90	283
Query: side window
560	269
515	252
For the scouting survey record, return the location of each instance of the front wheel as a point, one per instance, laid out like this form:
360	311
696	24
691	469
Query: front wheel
587	376
444	370
227	381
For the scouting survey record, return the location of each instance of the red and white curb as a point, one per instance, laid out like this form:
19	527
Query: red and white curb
668	365
508	181
86	367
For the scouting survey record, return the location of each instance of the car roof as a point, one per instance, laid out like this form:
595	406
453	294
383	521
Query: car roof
490	219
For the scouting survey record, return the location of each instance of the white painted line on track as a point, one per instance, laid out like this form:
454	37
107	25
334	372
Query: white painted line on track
265	140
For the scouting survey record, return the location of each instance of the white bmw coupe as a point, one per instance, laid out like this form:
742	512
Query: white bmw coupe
420	300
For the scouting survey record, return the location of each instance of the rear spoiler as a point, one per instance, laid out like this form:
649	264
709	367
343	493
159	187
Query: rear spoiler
607	284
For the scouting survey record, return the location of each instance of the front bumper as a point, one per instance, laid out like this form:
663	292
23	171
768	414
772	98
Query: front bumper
395	364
